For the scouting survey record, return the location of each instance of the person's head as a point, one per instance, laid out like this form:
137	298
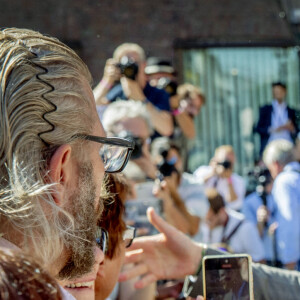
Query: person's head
224	153
130	118
112	221
50	177
216	215
277	154
279	91
164	149
137	54
21	278
157	68
193	98
132	50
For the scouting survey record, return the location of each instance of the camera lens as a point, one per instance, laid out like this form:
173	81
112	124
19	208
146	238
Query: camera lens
129	68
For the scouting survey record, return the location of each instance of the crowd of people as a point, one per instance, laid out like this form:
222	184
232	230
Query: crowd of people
65	231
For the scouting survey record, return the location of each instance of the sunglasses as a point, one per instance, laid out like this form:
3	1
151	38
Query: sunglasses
128	236
102	239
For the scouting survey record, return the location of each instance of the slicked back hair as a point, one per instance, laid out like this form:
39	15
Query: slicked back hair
42	107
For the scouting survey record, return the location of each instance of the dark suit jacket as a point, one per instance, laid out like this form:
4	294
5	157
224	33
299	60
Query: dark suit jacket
264	122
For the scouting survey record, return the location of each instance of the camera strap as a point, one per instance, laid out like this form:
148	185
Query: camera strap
225	240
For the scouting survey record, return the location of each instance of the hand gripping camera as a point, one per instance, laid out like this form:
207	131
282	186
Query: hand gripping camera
128	67
168	85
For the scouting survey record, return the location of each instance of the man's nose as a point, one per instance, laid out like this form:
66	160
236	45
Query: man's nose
99	256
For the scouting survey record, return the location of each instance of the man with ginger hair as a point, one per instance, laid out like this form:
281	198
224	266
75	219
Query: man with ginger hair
134	87
50	168
219	174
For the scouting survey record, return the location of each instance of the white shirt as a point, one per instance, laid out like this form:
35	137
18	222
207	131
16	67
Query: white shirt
221	184
192	193
245	240
279	118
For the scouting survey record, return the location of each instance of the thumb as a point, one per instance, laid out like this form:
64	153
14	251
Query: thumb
161	225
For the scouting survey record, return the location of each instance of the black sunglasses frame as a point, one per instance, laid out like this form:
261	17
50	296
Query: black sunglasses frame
102	239
114	141
133	229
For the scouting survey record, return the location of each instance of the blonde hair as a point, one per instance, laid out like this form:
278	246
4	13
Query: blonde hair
187	90
42	107
129	47
224	148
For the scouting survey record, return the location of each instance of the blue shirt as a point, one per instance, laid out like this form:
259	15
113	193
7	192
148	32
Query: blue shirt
286	193
250	206
158	97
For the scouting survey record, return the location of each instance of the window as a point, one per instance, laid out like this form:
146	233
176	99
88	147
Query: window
236	82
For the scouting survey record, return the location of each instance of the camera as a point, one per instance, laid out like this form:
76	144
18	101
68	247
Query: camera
259	178
166	169
138	147
168	85
226	164
128	67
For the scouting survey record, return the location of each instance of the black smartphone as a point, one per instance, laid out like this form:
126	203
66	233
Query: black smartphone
227	277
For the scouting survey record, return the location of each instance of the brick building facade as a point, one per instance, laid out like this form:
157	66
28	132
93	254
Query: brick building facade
162	27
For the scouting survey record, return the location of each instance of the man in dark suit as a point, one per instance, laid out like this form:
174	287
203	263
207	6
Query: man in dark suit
276	120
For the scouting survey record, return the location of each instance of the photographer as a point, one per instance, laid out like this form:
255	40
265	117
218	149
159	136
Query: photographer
130	119
185	185
186	100
128	66
259	208
219	174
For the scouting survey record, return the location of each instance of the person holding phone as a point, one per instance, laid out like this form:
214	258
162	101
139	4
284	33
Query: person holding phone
227	277
171	254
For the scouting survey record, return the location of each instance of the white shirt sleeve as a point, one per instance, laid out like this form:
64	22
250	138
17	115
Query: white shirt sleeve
202	172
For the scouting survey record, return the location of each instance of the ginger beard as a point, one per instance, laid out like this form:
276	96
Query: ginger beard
80	242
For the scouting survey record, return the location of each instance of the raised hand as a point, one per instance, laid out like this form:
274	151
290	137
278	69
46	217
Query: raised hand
168	255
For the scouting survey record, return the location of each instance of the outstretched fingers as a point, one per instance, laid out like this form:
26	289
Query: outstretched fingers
133	256
136	270
145	281
158	222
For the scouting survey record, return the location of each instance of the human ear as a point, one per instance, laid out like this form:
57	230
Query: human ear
61	168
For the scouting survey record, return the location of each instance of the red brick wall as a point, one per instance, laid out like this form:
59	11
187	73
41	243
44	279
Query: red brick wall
101	25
